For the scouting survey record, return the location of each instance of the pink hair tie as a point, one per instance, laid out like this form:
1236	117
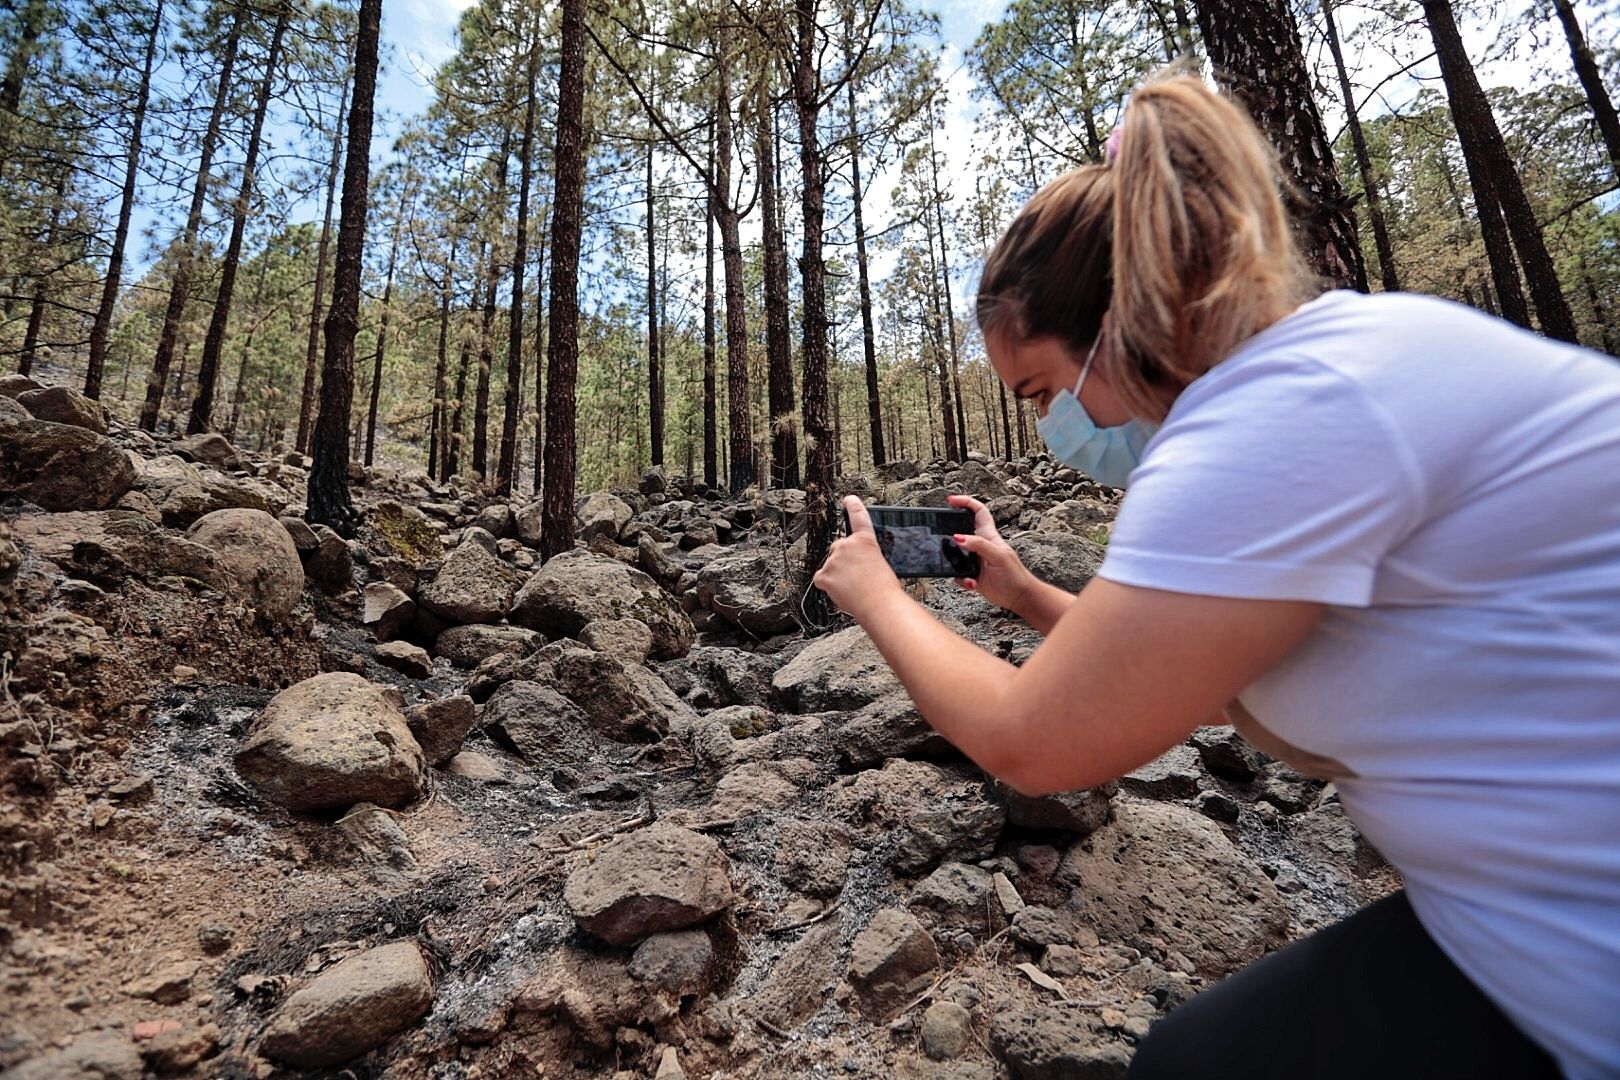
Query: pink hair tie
1112	150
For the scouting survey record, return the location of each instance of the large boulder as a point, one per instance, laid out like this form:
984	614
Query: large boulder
331	741
577	587
1059	558
601	514
185	492
753	589
1164	870
839	671
469	646
624	701
473	586
258	554
106	546
655	879
891	960
63	405
540	724
61	467
210	448
350	1008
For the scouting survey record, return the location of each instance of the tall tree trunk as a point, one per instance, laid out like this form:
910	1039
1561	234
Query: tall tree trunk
655	375
1600	310
30	25
328	477
1586	69
778	346
1006	423
36	310
1369	182
102	327
439	432
711	468
562	351
202	407
185	252
1498	246
458	419
950	306
239	391
539	367
740	469
486	344
1254	47
382	337
818	480
306	402
874	408
506	466
1490	164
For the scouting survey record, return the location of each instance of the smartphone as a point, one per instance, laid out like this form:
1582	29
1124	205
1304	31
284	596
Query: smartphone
918	540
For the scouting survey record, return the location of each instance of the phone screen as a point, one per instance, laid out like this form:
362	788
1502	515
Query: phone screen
917	541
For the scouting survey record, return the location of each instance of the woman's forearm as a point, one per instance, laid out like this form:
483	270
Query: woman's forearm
1043	605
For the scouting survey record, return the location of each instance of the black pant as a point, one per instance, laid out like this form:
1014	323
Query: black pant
1370	997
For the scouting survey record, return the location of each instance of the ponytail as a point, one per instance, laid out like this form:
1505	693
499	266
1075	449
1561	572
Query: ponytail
1182	236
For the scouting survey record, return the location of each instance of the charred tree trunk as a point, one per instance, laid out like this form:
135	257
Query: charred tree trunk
202	407
36	310
655	375
30	25
439	432
950	306
1490	164
186	249
874	408
486	343
382	340
506	466
1498	246
778	347
740	454
328	477
239	392
1586	69
539	367
562	352
1254	47
1369	182
306	401
711	468
457	442
102	327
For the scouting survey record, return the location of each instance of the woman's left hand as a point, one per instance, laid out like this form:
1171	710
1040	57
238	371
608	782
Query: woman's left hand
856	573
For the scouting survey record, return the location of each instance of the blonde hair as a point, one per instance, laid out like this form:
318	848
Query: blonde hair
1182	235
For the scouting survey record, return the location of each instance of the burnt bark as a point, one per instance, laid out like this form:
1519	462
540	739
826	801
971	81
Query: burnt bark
874	408
1358	141
1254	47
506	465
1586	70
328	477
382	340
306	402
710	435
655	376
486	343
740	471
778	349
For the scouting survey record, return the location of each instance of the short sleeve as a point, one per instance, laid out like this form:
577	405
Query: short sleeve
1280	479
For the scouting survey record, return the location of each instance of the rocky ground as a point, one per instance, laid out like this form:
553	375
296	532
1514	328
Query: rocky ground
416	805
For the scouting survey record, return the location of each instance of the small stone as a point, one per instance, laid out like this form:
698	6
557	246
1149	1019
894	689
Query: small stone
1218	807
654	879
947	1030
1007	894
350	1008
626	639
131	791
1079	812
669	1066
170	984
180	1049
891	961
441	726
1172	775
472	765
215	939
386	610
402	656
1063	961
681	961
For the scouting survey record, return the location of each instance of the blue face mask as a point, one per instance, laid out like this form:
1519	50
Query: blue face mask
1107	455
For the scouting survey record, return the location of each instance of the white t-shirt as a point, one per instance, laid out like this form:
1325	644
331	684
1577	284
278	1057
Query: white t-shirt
1450	486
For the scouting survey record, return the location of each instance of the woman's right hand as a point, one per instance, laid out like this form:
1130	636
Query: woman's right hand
1003	579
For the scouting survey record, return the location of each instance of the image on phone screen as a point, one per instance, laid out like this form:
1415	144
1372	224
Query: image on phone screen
917	541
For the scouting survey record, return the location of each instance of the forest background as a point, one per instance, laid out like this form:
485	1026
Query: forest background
738	238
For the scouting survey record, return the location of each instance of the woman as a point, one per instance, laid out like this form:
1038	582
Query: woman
1386	529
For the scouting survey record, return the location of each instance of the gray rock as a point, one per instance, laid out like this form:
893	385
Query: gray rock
729	677
210	448
957	897
801	980
752	589
184	492
351	1008
843	670
61	405
408	659
439	727
1057	1042
976	480
890	727
947	1030
653	481
964	827
258	554
679	962
13	385
541	724
98	1055
469	646
526	523
891	961
331	564
1227	754
627	639
1172	775
61	467
641	883
1080	812
496	519
1078	516
472	586
1039	927
377	839
386	610
812	857
579	587
329	742
625	702
1059	558
106	546
601	514
1162	869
